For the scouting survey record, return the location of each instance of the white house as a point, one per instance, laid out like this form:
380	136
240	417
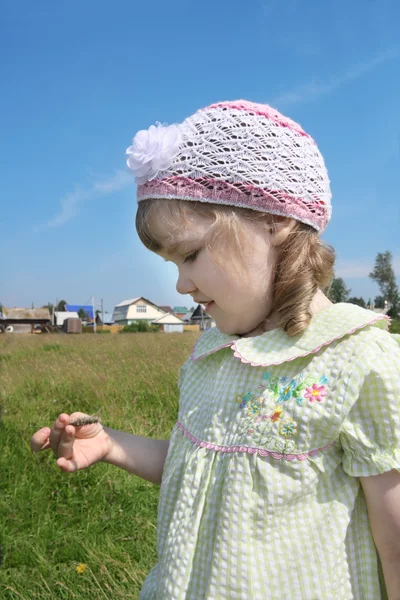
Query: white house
170	323
61	316
136	309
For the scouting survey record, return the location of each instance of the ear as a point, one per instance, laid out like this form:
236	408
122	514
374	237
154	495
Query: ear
280	229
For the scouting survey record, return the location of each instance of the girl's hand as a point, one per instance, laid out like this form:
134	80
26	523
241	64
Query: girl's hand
76	447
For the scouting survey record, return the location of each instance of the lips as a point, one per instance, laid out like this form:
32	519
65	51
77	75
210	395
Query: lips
209	305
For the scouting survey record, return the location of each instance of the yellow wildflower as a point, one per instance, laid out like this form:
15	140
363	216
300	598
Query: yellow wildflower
81	568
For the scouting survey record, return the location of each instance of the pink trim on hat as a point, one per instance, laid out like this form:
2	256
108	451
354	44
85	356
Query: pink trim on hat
262	110
216	191
250	449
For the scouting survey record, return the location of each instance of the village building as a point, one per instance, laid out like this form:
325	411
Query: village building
136	309
180	311
61	316
87	308
201	318
23	320
170	324
167	309
105	318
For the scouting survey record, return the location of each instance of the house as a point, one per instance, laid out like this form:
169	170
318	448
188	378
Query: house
180	311
105	318
187	319
88	308
200	317
136	309
61	316
23	320
167	309
170	324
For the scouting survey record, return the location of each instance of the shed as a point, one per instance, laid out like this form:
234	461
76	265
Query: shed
170	324
72	325
23	319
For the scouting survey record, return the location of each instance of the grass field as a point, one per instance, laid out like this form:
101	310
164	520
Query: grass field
102	518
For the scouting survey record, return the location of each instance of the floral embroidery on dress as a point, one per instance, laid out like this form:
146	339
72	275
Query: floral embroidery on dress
315	392
262	423
284	388
288	427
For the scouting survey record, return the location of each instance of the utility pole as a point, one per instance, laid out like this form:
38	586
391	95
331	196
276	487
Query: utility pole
94	316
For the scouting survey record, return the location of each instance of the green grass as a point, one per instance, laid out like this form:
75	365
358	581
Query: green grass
50	522
395	326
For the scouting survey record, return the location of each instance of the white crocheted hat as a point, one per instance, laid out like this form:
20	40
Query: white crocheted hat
236	153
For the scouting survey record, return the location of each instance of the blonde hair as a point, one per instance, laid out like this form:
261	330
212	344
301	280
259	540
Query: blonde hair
304	262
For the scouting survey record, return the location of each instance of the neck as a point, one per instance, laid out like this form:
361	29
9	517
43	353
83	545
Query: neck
319	303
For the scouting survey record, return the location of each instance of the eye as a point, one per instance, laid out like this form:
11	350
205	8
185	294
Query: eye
192	257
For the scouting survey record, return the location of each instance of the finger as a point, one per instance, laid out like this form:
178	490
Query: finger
68	466
66	446
57	430
40	439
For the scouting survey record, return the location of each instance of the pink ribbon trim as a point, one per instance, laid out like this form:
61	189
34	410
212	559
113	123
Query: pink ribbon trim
250	449
262	110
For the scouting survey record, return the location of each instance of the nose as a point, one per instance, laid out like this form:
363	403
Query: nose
184	285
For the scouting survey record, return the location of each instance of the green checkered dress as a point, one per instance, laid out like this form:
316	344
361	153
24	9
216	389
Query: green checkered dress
260	496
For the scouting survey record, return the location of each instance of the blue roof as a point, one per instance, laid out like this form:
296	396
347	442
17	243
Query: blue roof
76	308
180	309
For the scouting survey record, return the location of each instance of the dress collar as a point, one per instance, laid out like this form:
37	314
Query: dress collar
276	347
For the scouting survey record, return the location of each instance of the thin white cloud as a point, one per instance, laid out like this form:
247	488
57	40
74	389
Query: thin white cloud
312	90
71	203
118	182
360	269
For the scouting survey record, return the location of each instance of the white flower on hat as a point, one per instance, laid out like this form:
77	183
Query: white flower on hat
153	150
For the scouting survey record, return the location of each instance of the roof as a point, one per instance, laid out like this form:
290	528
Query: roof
187	318
168	320
108	317
199	312
134	300
127	302
35	314
167	309
88	308
180	309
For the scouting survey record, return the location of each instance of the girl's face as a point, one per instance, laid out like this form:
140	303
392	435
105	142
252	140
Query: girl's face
235	290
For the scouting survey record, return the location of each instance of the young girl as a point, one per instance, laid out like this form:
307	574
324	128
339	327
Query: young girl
280	479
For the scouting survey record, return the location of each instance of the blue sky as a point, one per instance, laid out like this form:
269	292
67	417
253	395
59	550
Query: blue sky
79	79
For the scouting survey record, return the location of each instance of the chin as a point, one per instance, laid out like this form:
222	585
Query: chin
231	329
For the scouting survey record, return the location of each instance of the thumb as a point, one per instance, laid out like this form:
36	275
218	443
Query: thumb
40	439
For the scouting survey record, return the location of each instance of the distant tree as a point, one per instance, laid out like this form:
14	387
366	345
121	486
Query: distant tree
82	314
384	276
379	302
359	301
61	306
49	306
338	291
